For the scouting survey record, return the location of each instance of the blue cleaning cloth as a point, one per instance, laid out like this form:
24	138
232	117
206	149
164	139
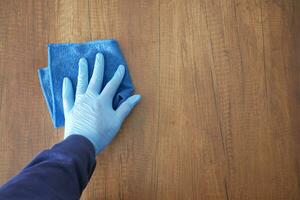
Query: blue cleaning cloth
63	62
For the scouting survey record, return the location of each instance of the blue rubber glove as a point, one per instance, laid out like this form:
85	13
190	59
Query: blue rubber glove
91	113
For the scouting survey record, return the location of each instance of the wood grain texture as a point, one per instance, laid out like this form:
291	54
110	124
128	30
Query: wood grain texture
220	82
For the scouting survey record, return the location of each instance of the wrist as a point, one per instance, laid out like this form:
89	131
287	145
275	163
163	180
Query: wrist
84	142
78	143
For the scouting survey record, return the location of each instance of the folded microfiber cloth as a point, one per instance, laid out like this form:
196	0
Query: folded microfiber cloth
63	62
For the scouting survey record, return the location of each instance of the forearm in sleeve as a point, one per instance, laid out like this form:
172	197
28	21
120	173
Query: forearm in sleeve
61	172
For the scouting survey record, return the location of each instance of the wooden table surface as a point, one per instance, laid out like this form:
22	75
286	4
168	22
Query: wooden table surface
219	118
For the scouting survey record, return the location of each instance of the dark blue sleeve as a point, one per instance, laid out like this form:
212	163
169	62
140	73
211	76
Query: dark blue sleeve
61	172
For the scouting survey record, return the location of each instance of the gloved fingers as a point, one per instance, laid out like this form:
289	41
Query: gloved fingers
68	95
95	84
82	81
112	86
125	108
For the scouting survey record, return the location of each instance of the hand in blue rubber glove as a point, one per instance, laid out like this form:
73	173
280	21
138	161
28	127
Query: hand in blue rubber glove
91	114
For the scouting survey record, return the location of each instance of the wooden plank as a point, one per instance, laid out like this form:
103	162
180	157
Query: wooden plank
191	152
264	156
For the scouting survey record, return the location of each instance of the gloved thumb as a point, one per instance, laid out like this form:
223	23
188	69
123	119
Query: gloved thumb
68	95
126	107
